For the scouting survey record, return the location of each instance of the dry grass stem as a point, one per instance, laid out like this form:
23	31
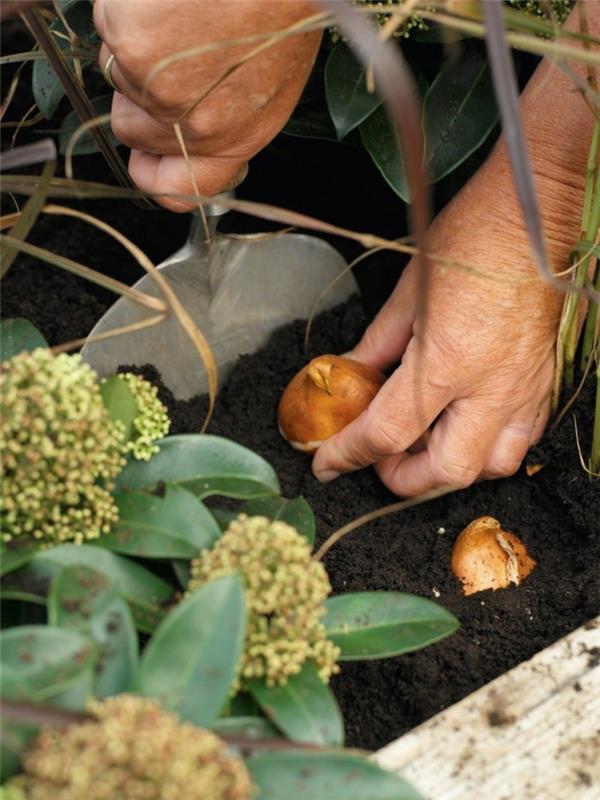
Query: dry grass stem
380	512
102	119
74	344
174	304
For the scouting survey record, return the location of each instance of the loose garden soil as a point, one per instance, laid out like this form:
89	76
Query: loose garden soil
556	511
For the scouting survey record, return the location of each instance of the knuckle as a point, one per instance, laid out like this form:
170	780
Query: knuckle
457	474
384	435
503	466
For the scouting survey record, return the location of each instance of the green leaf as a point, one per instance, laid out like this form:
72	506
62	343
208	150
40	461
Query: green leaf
192	659
307	124
182	570
324	776
380	140
205	465
348	100
584	247
85	144
247	727
49	661
47	88
177	525
369	625
16	553
304	709
84	600
459	111
41	664
17	335
145	592
120	403
224	518
296	513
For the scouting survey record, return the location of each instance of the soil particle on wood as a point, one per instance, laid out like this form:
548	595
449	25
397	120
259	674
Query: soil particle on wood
411	551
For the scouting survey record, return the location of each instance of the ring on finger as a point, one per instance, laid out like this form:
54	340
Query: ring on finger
107	74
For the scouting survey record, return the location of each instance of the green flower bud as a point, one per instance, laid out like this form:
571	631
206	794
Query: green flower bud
285	592
61	450
132	750
152	421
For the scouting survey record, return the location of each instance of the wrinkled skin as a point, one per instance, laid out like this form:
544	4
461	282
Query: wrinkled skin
234	121
472	389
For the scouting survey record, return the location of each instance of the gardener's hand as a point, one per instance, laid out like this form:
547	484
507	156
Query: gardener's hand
479	367
237	118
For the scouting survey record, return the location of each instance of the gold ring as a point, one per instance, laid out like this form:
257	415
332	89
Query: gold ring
106	72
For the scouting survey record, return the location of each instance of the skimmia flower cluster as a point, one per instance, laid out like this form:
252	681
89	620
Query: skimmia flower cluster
130	749
152	421
61	449
285	592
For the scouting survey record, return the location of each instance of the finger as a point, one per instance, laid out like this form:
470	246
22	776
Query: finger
135	128
402	410
171	175
116	76
386	338
457	451
523	430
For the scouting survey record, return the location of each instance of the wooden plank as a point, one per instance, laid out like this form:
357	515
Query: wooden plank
531	734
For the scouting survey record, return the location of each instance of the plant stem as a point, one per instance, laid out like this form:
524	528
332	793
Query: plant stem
595	455
568	334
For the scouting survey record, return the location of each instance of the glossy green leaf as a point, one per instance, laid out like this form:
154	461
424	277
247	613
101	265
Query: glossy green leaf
41	664
378	624
48	660
145	592
381	142
177	525
459	110
206	465
296	513
308	124
182	570
191	661
325	776
348	100
16	553
223	518
84	600
47	89
17	335
85	144
305	709
120	403
246	727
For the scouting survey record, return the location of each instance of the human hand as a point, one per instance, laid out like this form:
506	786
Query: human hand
479	367
236	119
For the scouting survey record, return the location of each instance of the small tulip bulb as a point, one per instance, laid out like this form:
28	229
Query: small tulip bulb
486	557
324	397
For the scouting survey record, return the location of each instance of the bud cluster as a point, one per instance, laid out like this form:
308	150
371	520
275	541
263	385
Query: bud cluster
132	750
285	592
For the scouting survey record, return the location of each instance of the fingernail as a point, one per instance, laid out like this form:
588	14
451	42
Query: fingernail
326	475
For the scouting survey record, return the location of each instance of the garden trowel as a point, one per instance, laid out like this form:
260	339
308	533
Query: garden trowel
236	289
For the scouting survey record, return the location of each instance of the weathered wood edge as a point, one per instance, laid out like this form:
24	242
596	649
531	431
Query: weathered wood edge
531	734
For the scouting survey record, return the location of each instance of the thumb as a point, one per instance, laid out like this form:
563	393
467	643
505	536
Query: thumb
385	340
